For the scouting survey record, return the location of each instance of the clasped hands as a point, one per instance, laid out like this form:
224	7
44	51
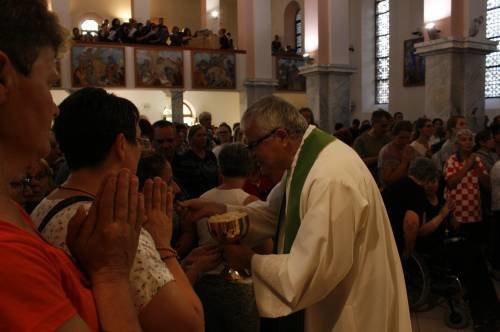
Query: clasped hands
104	241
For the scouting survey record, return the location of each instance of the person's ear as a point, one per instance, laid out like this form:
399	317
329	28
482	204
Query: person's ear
6	77
282	134
119	147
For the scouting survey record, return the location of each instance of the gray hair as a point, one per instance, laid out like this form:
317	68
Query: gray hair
464	132
204	115
271	112
423	169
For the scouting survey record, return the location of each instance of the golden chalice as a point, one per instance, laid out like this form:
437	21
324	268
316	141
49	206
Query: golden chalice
229	228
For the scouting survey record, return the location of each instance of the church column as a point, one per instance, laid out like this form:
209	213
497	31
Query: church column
328	76
455	52
254	36
177	104
176	97
62	9
141	10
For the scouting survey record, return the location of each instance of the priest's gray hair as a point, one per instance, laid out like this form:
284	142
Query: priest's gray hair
271	112
423	169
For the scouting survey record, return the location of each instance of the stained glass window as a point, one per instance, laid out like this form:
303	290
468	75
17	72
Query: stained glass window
492	88
298	32
382	60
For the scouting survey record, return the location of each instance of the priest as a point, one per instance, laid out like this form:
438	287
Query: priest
336	266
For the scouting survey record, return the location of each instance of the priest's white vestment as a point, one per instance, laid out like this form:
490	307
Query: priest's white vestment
343	267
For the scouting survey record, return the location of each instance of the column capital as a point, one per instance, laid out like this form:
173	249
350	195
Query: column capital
330	68
456	45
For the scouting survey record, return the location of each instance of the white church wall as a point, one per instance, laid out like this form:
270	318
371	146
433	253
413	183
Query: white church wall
406	17
104	9
185	13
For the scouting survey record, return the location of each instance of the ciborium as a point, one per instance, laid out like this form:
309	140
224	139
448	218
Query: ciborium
229	228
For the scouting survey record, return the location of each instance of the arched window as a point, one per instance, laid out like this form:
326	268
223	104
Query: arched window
492	84
298	32
89	25
382	47
293	28
188	115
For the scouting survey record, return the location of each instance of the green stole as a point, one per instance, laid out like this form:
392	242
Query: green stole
290	222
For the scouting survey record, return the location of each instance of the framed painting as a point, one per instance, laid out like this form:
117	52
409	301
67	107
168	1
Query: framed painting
414	65
213	70
287	73
97	66
156	68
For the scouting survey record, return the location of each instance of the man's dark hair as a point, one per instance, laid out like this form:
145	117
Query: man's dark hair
355	122
89	122
26	27
180	127
149	167
162	124
235	161
223	124
379	115
402	126
436	120
452	122
495	129
146	128
483	136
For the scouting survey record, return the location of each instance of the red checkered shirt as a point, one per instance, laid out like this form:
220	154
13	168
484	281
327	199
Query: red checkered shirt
467	194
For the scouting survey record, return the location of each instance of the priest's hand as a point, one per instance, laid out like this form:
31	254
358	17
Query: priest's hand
194	209
238	256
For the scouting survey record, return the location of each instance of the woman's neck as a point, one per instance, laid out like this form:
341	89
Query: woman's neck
232	183
81	181
423	140
465	154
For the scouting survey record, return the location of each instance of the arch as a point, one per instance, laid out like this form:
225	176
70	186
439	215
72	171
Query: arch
188	113
89	17
290	16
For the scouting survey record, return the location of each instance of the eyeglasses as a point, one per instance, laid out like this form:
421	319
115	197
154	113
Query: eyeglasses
253	145
143	143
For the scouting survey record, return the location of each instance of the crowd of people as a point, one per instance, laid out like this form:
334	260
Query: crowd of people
103	214
134	32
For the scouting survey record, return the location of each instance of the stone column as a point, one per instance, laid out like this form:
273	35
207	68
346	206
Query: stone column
328	93
328	79
454	76
177	104
254	36
62	9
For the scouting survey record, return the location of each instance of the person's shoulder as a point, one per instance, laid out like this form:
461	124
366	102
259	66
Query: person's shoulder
17	245
210	194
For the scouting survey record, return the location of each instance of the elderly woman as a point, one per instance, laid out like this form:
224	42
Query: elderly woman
196	170
42	288
464	174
